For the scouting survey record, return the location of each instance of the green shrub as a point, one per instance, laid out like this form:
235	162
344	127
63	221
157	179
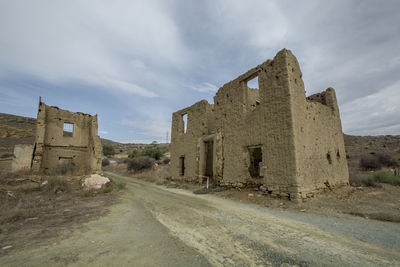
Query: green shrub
107	189
134	153
153	151
108	150
387	178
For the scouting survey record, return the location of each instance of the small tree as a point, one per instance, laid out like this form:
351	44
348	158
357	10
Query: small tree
153	151
108	150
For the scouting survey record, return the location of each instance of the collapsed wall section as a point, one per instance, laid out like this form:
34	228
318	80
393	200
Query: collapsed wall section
66	142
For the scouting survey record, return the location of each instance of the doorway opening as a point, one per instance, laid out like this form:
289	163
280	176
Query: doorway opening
255	154
182	165
209	155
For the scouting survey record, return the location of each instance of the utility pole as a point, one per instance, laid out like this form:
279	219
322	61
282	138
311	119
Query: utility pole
167	138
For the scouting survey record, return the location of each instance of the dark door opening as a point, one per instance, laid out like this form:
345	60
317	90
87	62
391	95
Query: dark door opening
255	154
209	151
182	166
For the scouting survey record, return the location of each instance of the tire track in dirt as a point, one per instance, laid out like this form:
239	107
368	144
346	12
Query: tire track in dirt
231	233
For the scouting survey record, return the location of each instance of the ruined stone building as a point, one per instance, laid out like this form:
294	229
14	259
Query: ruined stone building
272	136
66	142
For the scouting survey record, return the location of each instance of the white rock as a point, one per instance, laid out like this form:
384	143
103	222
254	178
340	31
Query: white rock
95	181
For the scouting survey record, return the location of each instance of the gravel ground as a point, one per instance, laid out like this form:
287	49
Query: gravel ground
155	225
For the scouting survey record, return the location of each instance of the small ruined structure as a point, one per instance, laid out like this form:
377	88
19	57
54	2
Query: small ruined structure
66	142
272	136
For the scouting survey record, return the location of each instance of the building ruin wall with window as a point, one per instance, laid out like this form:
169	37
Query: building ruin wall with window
272	136
66	142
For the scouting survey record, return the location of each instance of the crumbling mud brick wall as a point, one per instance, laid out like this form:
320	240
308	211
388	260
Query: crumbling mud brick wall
66	142
271	136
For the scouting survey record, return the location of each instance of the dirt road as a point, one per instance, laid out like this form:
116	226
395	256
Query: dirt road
156	226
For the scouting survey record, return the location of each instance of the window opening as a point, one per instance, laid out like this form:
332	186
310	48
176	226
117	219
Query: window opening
253	83
68	129
329	158
184	118
255	154
182	165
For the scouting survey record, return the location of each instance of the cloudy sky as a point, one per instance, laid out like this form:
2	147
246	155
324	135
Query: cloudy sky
135	62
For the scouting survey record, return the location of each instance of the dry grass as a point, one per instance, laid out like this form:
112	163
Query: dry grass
35	209
158	174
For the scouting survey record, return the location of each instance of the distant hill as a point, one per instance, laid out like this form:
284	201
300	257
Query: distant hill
15	130
21	130
126	148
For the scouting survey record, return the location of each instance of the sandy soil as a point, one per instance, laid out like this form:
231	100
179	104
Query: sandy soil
379	203
156	225
32	217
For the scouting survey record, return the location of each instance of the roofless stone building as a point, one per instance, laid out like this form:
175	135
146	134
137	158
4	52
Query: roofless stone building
272	136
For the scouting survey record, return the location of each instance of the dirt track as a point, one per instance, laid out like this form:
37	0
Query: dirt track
171	227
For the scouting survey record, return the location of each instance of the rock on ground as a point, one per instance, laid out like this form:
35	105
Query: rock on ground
95	181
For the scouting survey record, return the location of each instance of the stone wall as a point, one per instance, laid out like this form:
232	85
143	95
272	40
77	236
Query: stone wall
66	142
294	134
22	157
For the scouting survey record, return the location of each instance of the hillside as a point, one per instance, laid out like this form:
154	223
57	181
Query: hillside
15	130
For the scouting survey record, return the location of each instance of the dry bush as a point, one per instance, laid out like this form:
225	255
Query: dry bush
105	162
166	160
140	163
158	175
370	162
57	184
387	160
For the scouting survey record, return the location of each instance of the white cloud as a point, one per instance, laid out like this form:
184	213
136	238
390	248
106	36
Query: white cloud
89	41
375	114
103	132
151	128
258	23
131	88
205	87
